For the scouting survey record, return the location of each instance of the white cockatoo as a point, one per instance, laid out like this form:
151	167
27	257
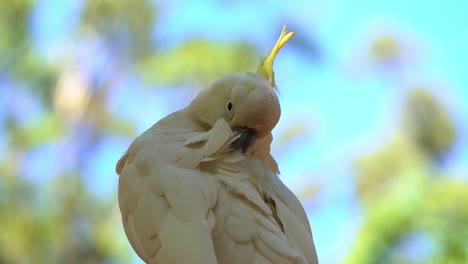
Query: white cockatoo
200	186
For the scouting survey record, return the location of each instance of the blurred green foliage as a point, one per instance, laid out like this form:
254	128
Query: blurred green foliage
125	26
57	219
404	194
18	56
413	211
428	123
198	56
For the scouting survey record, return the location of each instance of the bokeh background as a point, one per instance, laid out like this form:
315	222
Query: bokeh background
373	134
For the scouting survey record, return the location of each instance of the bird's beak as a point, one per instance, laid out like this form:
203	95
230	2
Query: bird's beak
246	139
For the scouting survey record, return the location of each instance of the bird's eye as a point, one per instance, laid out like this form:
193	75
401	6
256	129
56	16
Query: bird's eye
229	106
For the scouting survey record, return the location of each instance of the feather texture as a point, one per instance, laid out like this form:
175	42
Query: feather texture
186	197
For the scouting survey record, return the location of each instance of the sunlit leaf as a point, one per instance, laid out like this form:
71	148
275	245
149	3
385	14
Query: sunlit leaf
126	26
199	62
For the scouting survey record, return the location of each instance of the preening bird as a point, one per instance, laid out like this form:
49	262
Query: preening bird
200	186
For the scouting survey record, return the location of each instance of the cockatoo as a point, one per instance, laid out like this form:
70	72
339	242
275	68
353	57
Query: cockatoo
200	186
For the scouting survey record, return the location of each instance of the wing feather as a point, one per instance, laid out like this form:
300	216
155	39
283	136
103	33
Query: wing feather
290	200
260	259
166	209
186	241
184	199
129	227
148	212
246	225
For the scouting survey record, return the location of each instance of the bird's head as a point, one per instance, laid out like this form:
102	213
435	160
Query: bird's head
247	102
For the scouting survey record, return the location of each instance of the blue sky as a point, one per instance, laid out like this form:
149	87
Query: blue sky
339	100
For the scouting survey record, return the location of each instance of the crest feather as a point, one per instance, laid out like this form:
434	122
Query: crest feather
265	67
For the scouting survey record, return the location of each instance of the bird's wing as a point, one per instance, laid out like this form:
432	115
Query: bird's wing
166	211
248	228
166	205
296	224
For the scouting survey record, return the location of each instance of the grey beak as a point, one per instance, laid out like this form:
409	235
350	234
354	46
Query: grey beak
245	140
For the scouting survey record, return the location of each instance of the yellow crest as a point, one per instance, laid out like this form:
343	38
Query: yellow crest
265	67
